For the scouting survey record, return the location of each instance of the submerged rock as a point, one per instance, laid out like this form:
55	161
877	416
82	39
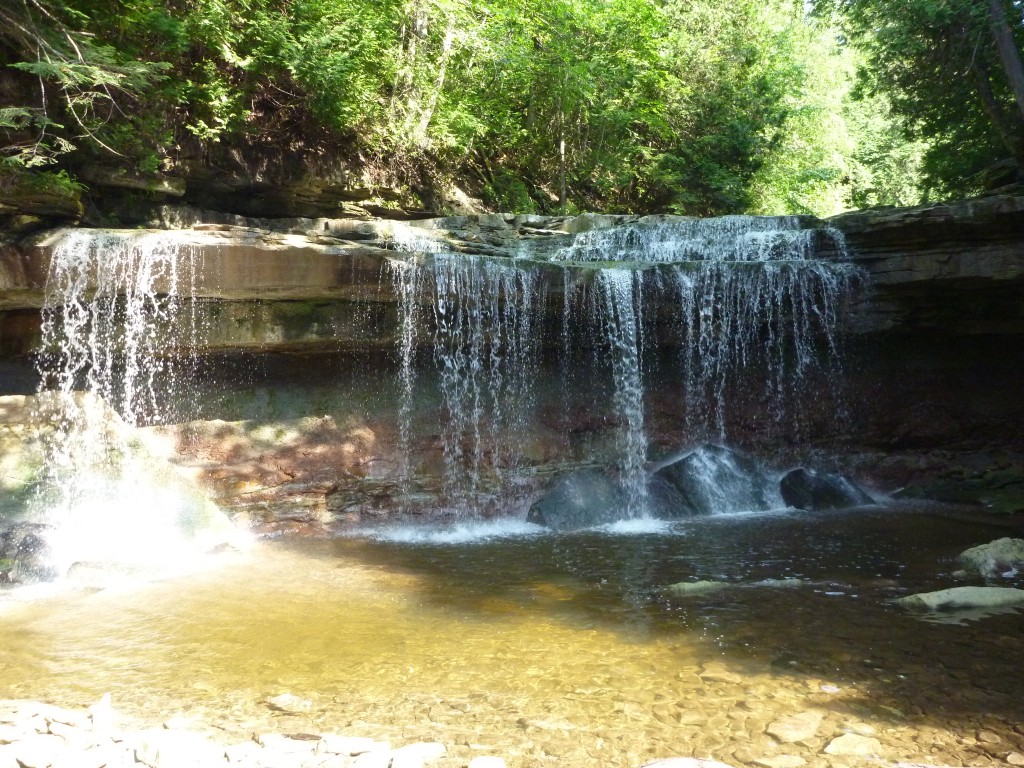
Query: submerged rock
712	479
689	588
819	491
797	727
1002	557
852	745
581	500
963	597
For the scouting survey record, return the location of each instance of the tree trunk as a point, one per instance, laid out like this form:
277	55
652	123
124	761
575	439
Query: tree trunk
1008	53
428	110
1008	129
563	191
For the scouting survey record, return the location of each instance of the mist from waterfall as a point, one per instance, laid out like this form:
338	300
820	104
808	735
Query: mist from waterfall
118	328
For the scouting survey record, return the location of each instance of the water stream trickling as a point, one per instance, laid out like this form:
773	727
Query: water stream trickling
623	331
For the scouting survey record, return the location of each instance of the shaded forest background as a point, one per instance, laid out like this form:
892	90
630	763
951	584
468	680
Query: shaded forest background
699	107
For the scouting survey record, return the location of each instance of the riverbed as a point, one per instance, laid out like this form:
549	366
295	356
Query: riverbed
562	649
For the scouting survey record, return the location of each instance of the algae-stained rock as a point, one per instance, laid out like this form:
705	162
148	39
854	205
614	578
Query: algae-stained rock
581	500
997	558
712	479
963	597
819	491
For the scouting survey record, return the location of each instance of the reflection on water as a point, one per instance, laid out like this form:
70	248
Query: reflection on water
561	648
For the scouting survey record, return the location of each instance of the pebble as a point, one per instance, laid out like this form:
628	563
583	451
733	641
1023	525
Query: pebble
1015	758
34	735
719	673
860	729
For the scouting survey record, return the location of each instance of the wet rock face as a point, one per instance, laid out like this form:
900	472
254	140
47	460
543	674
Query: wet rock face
819	491
304	471
581	500
956	268
24	554
709	480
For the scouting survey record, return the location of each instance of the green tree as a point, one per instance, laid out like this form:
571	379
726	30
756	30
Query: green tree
950	69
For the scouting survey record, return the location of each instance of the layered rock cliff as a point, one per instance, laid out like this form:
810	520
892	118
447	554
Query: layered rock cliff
933	360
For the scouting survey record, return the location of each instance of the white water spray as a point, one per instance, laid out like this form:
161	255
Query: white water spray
117	326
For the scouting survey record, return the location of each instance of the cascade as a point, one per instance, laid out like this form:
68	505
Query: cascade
746	299
659	240
117	307
751	309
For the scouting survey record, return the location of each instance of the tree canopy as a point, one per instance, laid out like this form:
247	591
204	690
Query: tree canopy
689	106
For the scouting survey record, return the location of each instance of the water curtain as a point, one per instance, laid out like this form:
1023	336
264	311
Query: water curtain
478	316
747	302
118	328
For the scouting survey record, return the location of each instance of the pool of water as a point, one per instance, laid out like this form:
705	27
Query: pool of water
561	649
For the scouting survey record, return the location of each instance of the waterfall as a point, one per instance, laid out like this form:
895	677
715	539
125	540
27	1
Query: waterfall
659	240
479	316
750	307
752	310
116	307
623	331
118	324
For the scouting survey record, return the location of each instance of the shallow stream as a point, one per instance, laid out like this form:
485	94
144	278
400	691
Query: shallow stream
560	649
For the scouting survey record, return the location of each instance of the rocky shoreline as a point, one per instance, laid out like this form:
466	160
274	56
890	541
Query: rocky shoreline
35	734
39	735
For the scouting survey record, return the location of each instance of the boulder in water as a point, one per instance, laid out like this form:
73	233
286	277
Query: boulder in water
1002	557
818	491
963	597
712	479
581	500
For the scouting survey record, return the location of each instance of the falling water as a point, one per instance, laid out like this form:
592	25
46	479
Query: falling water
404	276
623	331
743	294
116	305
479	318
777	317
116	311
745	299
656	239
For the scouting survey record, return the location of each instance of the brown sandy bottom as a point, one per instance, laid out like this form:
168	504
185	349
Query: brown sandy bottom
562	650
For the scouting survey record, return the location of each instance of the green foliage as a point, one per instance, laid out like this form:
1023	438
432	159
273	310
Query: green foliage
691	106
936	64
